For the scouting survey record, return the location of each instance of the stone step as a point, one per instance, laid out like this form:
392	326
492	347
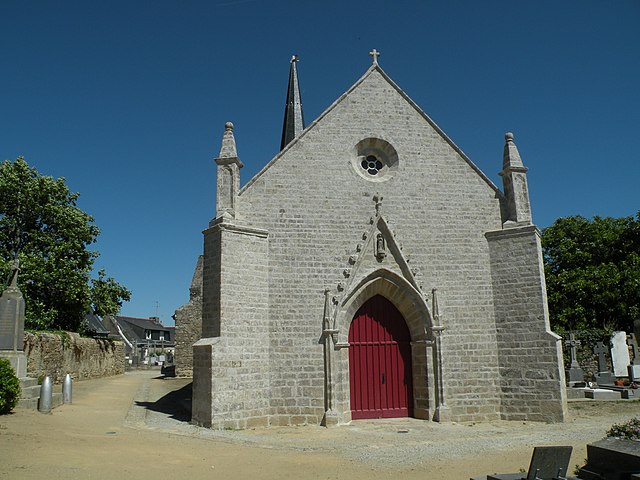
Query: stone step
31	392
27	382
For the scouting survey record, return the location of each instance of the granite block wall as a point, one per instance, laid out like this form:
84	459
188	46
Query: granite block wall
233	356
316	204
532	378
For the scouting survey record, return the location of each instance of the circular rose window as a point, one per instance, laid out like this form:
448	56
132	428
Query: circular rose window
375	159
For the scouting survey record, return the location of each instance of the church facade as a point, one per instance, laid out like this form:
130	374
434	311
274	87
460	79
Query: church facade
372	270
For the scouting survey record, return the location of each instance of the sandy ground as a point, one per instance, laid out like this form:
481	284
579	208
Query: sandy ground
134	426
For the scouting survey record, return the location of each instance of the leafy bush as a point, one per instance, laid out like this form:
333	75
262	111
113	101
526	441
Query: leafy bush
629	430
9	387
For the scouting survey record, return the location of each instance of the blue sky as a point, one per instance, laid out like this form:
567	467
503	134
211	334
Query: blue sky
127	100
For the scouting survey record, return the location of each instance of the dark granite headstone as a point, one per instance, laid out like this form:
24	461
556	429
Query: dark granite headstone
632	341
547	463
604	376
611	458
575	373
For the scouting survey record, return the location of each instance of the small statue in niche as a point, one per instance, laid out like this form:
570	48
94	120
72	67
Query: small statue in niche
380	247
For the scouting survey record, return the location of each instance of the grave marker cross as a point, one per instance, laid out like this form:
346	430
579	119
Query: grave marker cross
633	343
600	349
573	343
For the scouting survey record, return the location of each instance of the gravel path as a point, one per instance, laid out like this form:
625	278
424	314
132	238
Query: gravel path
136	426
407	442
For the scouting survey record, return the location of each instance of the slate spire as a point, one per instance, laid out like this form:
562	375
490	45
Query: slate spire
293	118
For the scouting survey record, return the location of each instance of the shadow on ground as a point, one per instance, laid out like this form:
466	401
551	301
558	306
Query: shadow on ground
176	404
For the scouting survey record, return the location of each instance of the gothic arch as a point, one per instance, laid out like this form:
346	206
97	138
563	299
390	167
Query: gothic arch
398	291
413	307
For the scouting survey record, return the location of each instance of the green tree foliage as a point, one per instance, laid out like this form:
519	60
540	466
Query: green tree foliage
9	387
593	272
107	295
41	225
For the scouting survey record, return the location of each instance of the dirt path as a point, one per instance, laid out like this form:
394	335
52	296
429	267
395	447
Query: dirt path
133	426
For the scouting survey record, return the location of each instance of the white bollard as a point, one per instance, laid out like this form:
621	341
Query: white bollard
46	395
67	389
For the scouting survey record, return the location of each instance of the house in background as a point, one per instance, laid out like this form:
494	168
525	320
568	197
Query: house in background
94	326
147	340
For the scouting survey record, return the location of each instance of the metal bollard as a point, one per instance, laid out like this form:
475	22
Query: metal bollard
67	388
46	395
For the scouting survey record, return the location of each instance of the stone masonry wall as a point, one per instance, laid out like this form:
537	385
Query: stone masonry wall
56	355
316	204
188	320
532	378
231	366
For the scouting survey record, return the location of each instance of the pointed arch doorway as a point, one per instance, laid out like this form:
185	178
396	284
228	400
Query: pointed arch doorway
380	373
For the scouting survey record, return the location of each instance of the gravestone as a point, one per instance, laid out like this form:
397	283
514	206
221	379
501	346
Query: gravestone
547	463
634	366
619	354
604	376
611	458
12	324
575	373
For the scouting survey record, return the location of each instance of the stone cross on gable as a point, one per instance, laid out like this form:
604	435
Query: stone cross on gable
600	350
374	54
573	343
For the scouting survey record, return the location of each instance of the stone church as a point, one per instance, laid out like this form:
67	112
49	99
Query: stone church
371	270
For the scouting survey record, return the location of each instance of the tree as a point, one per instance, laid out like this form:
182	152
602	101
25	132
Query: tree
41	225
107	295
593	272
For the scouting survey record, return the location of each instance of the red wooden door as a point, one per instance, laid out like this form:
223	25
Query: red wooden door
380	362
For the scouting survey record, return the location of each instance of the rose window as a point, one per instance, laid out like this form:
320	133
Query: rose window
372	165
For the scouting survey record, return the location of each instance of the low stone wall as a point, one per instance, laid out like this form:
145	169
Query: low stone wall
58	354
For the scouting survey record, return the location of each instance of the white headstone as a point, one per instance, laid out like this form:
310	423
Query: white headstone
619	354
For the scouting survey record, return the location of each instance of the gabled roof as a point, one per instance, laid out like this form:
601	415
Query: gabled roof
94	325
133	329
375	67
145	323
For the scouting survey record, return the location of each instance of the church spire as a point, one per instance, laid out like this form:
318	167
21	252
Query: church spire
293	118
514	181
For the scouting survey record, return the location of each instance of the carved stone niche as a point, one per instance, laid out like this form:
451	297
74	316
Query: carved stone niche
381	247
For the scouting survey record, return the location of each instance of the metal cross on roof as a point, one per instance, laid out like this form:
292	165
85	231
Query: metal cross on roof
374	54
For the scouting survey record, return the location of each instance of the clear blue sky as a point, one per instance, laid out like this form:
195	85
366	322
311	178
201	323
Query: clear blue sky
127	100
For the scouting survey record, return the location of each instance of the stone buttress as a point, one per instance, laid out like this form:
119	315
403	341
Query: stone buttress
531	374
230	361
